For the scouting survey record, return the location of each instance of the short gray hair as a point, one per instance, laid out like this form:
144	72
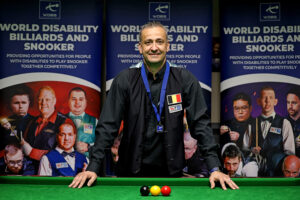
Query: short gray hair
152	24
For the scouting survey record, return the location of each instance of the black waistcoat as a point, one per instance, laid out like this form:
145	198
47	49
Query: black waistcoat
273	143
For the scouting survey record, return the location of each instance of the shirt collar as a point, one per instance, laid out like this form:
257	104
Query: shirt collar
73	115
160	74
272	115
51	119
60	150
17	117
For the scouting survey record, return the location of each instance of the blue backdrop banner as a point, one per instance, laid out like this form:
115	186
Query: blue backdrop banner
50	40
260	43
50	58
189	28
260	78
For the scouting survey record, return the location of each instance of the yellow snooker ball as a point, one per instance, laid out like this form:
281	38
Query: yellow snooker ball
155	190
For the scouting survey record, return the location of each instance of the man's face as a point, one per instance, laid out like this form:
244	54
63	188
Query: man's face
231	165
14	162
66	137
291	171
19	104
267	101
241	110
293	104
189	149
154	45
77	102
46	102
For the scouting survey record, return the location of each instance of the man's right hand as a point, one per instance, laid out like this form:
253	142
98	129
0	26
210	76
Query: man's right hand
234	136
256	150
80	179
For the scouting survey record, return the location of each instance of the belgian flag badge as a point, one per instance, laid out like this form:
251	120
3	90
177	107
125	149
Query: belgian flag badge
174	98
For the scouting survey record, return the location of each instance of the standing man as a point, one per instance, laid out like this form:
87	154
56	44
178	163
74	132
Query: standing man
40	134
85	123
240	129
63	160
19	99
275	134
150	97
293	108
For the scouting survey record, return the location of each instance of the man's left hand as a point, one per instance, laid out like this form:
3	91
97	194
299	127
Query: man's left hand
222	178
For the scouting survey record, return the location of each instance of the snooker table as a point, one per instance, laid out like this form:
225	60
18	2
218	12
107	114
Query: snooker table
48	188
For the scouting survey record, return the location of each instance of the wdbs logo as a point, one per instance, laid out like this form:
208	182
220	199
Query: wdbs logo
159	11
270	11
50	9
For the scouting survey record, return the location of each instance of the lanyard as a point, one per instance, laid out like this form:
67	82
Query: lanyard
162	92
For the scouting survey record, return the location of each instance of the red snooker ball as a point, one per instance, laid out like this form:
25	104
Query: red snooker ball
165	190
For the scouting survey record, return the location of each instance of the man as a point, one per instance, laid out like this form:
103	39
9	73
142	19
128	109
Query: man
40	135
241	128
195	164
275	135
152	142
85	123
63	160
293	108
234	163
15	162
19	99
291	166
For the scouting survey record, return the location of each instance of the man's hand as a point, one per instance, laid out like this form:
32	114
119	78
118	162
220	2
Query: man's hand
5	124
224	129
80	179
222	178
82	147
234	136
256	150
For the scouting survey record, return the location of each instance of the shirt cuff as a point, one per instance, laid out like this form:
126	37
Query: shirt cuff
214	169
94	167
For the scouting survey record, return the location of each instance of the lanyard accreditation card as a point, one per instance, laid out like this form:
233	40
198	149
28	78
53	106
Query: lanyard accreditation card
159	127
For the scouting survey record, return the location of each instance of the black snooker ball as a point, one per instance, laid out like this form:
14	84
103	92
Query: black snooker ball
145	190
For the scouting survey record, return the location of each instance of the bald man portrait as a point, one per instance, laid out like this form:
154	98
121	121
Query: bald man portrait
291	166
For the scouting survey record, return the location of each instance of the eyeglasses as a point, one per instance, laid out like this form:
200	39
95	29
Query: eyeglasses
243	108
14	162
